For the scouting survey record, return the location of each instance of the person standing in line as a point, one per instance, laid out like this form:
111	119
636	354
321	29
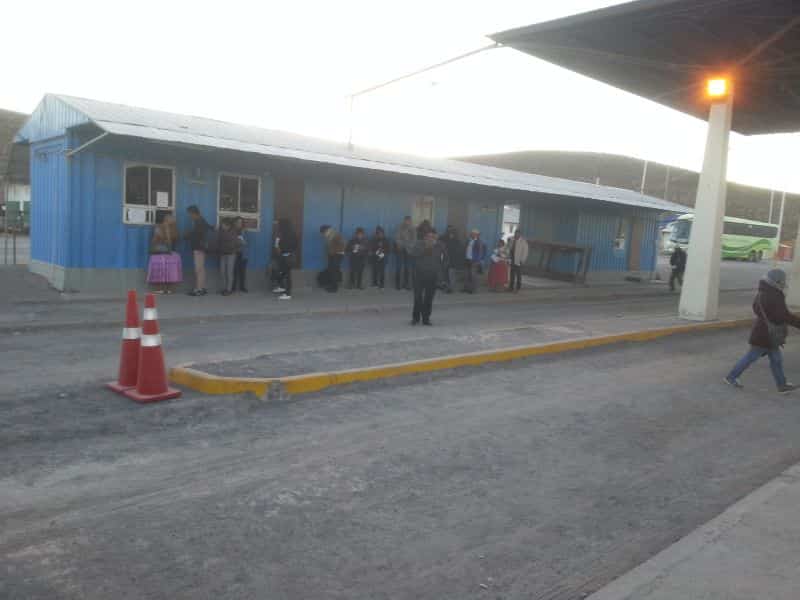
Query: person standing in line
164	266
284	254
357	250
331	277
518	256
428	257
424	229
454	256
378	253
198	237
474	255
228	246
678	263
769	331
404	242
498	269
240	266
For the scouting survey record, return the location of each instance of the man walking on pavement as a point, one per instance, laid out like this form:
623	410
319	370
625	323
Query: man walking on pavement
678	263
518	254
404	241
474	255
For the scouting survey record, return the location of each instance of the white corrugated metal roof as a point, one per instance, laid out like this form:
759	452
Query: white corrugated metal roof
168	127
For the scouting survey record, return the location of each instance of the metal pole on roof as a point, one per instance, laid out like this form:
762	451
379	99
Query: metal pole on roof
771	198
644	176
379	86
666	183
780	217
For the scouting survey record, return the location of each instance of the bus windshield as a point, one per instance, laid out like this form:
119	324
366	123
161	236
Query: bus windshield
681	231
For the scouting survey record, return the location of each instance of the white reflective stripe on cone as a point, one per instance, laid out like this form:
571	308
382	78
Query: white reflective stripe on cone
151	340
150	314
131	333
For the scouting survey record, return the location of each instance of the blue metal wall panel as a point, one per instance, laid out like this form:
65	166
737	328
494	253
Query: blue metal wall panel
99	238
50	119
322	206
440	214
599	230
486	217
49	209
649	252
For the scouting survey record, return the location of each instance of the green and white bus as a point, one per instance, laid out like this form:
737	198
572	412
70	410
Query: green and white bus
741	239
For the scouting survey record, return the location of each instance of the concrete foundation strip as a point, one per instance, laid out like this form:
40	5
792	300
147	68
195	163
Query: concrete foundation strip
313	382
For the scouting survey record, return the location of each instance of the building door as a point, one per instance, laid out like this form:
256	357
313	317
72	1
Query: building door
635	252
289	199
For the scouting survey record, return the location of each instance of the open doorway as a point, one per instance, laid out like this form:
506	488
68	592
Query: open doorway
511	220
289	199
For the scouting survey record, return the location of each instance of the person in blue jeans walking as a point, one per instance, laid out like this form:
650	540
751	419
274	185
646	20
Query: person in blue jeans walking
769	330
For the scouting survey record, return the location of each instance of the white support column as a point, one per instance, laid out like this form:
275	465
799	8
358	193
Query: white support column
793	293
700	290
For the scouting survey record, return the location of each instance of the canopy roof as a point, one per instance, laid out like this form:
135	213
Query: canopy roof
664	50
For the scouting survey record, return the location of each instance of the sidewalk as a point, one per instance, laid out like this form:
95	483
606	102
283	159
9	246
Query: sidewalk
748	552
27	303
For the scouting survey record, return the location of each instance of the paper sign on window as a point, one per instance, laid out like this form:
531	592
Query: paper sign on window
137	216
162	199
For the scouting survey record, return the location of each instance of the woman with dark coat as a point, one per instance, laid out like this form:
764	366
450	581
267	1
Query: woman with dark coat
767	338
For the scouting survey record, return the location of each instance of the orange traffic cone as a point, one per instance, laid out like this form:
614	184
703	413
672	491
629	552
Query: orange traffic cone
129	354
151	384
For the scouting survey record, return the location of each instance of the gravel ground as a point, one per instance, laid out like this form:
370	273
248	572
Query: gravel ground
540	479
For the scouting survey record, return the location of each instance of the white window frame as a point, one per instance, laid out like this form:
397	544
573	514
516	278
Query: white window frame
623	226
150	208
229	214
415	213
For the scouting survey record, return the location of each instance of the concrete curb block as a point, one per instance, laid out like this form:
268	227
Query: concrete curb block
314	382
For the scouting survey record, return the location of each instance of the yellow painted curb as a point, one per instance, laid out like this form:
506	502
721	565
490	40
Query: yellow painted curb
314	382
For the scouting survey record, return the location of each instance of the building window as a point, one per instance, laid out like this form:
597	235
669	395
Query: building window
149	194
623	225
423	210
240	196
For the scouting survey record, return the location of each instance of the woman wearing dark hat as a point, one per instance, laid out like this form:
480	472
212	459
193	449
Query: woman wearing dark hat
769	330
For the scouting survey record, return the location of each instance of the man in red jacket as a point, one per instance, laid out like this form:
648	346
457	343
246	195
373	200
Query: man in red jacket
769	330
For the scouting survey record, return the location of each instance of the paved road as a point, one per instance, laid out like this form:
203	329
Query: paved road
734	274
543	479
56	359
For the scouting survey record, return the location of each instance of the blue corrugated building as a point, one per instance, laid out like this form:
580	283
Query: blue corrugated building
102	173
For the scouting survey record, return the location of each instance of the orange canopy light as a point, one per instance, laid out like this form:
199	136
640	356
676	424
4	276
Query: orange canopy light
718	87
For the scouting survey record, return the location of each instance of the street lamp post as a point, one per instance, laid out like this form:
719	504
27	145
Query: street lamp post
700	290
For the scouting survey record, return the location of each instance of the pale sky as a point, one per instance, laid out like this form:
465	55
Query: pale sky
291	65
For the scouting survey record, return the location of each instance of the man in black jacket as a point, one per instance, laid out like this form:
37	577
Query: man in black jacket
678	263
427	255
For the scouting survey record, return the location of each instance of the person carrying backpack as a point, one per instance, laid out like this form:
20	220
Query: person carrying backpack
769	331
